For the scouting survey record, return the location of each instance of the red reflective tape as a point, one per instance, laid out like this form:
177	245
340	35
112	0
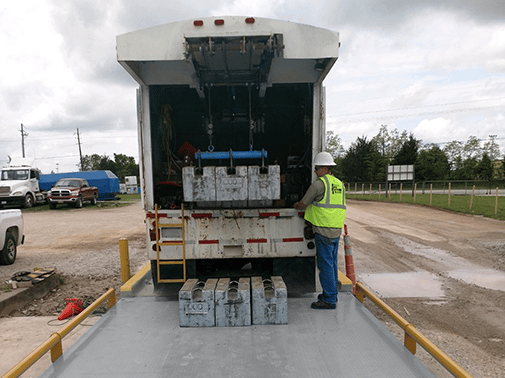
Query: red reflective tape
208	242
152	215
287	240
257	240
201	215
269	214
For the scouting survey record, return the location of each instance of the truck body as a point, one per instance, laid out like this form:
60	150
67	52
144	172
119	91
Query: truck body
19	184
231	112
11	235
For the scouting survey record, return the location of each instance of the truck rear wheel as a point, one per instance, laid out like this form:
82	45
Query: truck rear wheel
28	201
8	253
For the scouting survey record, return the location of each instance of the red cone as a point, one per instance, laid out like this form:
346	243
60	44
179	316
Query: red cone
77	301
70	309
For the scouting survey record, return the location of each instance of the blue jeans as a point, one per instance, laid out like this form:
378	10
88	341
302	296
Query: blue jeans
327	263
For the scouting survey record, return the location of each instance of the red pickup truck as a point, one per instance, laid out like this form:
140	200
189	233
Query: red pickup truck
72	191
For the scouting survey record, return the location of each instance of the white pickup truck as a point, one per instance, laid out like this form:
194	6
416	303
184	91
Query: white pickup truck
11	235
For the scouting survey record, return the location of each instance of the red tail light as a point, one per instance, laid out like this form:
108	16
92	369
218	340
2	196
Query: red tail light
198	23
219	22
250	20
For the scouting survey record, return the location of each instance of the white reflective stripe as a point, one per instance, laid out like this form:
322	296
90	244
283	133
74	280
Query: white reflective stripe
327	205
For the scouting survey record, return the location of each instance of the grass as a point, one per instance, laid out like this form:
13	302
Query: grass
120	201
481	205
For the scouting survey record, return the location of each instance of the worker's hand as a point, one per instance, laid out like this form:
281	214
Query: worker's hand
300	205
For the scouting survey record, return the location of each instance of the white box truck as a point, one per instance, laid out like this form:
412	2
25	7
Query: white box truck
231	112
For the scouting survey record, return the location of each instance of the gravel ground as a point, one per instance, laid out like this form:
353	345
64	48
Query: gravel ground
465	318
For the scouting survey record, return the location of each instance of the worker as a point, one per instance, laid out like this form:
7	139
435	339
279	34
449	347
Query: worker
325	207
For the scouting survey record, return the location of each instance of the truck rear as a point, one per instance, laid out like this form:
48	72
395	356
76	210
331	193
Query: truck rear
231	112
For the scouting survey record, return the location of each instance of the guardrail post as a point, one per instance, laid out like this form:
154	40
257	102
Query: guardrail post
409	342
125	259
57	349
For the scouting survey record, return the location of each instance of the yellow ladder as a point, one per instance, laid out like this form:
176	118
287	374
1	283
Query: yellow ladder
170	243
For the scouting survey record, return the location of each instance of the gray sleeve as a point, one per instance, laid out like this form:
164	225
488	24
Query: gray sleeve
314	193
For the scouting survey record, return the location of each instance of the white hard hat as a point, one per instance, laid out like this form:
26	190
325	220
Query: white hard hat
324	159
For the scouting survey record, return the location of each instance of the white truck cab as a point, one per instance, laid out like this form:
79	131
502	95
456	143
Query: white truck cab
19	184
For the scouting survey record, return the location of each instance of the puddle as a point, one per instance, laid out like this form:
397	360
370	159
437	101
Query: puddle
487	278
405	285
454	266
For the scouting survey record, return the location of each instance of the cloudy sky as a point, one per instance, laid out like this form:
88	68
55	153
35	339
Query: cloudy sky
435	68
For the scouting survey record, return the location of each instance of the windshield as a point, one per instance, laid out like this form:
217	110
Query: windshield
16	174
69	182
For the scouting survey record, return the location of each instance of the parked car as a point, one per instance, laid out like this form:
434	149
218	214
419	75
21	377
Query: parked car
73	192
11	235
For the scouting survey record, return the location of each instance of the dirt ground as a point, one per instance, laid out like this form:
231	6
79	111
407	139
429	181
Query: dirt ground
398	250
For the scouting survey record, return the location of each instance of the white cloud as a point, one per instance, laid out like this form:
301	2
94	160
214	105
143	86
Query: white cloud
401	63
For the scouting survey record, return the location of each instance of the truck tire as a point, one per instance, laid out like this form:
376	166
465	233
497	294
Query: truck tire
28	201
52	205
93	200
8	253
78	203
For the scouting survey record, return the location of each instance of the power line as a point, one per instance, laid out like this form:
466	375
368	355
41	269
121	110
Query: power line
411	115
421	106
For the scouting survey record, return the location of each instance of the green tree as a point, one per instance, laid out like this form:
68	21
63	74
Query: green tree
484	168
454	151
121	166
334	145
465	169
472	148
432	164
125	166
408	151
363	162
492	148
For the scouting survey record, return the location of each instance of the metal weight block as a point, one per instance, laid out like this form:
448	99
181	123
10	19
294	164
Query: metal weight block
269	301
233	302
196	303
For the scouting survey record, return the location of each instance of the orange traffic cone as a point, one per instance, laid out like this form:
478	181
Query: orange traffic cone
77	301
70	309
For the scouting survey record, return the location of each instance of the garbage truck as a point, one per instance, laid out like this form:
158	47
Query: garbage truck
231	113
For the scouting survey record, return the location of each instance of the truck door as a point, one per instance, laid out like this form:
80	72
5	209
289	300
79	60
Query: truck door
34	180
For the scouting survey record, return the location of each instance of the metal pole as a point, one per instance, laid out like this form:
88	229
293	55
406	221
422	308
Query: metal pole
125	259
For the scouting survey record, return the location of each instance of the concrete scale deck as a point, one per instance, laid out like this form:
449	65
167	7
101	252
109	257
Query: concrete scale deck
141	337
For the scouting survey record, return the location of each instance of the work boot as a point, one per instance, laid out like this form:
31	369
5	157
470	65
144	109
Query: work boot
321	297
322	305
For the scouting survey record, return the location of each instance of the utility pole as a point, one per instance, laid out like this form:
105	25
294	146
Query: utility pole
23	134
80	152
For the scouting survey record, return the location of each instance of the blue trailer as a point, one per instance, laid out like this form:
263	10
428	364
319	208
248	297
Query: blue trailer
106	182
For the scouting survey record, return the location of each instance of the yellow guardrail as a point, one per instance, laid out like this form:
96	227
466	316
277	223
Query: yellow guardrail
53	343
412	335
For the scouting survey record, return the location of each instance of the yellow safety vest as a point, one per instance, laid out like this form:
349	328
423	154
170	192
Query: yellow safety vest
330	211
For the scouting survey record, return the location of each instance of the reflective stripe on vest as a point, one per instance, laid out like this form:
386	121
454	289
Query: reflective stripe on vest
327	203
331	210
